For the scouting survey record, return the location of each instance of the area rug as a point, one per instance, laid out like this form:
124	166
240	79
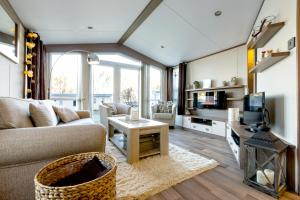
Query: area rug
157	173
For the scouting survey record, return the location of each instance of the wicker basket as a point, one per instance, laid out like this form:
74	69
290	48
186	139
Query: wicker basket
101	188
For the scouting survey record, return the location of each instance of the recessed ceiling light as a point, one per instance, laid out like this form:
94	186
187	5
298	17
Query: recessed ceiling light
162	46
90	27
218	13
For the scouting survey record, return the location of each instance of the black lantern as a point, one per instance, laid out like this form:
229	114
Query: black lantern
265	163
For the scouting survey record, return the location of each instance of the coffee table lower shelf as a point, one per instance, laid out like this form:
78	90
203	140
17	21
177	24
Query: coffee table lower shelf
118	141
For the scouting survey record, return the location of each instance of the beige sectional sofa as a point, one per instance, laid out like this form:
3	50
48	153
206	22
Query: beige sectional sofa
26	149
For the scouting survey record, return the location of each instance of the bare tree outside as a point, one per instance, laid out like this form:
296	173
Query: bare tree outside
128	96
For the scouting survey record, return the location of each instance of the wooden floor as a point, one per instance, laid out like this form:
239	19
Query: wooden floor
224	182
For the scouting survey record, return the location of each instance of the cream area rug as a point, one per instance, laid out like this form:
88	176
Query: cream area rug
157	173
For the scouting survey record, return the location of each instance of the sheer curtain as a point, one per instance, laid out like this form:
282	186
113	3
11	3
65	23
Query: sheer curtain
145	91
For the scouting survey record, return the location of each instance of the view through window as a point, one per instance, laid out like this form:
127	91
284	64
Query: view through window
116	80
129	87
155	85
65	78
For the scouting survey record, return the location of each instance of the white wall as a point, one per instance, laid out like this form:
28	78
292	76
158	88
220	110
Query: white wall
11	74
220	67
280	81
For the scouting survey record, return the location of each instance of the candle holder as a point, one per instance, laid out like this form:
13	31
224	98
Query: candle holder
265	163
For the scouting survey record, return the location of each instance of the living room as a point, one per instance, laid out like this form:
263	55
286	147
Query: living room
151	99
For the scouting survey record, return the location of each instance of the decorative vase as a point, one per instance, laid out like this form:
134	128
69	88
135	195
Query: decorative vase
234	81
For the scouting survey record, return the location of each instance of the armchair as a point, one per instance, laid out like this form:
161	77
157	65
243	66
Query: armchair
106	111
166	117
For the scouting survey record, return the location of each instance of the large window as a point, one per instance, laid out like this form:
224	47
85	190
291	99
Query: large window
116	80
65	79
155	85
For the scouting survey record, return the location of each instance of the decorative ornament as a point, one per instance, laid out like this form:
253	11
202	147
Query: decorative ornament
32	35
29	73
28	62
30	45
29	56
29	90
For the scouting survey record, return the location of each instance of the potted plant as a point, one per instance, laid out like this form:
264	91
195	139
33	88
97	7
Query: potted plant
196	84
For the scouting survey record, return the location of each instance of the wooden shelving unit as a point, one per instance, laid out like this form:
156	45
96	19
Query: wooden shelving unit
215	88
267	33
269	61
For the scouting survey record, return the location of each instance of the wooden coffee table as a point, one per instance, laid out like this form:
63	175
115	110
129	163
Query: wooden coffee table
135	129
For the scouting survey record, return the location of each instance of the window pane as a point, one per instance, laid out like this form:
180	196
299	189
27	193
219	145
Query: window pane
103	84
155	85
64	79
129	86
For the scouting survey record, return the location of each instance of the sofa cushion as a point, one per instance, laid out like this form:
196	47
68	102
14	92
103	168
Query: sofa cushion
162	116
42	114
85	121
65	114
112	107
14	113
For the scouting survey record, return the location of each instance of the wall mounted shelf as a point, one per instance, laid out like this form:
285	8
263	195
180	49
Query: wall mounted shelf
216	88
235	99
269	61
267	33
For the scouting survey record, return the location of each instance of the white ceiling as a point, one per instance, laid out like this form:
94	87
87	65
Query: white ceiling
66	21
188	29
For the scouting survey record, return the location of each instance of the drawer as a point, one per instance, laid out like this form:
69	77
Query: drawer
219	128
206	129
218	124
186	122
196	127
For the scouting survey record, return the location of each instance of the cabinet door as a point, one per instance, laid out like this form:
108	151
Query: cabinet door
218	128
196	127
187	122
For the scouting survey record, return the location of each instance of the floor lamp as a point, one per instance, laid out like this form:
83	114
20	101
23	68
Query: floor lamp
92	59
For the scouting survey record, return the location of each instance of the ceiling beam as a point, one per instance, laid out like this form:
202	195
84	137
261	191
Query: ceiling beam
104	48
152	5
230	48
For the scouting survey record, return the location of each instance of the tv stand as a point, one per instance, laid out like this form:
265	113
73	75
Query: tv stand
205	124
236	134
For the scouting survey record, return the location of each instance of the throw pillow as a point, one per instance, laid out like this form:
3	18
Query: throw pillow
14	113
66	114
160	107
169	106
42	115
112	107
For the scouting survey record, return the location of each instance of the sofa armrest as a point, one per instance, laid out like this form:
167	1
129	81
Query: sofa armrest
26	145
83	114
174	109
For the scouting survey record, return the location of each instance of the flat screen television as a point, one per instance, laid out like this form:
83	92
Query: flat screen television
211	100
254	105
